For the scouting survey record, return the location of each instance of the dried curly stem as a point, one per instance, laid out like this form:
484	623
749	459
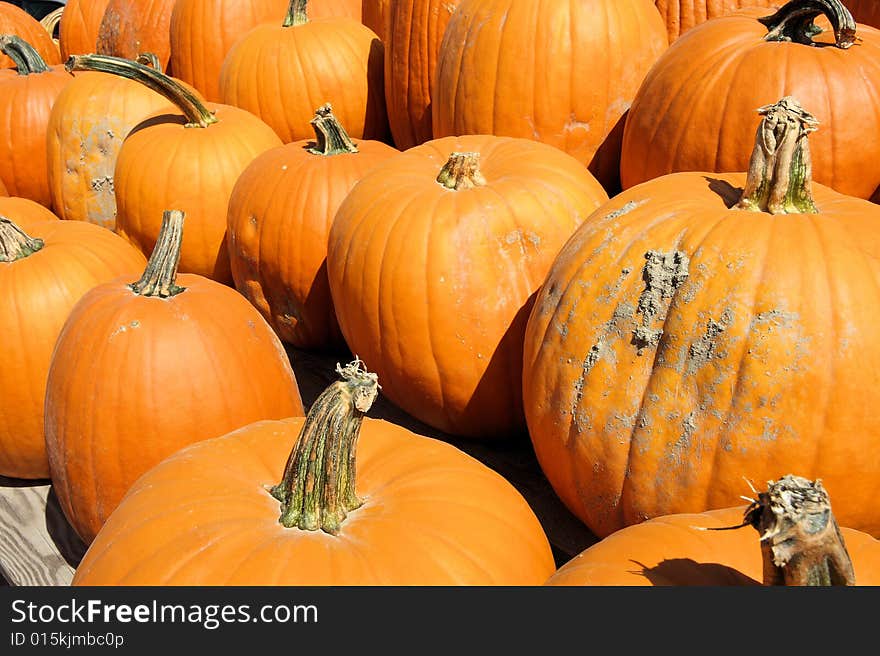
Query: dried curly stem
794	22
159	279
15	244
461	171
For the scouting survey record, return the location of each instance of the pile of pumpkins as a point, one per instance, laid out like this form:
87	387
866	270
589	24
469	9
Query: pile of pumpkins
641	233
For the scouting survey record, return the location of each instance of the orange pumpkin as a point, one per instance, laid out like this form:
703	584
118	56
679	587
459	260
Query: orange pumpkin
415	30
585	62
703	327
689	550
682	15
195	154
865	11
392	508
698	101
16	21
131	27
78	29
375	15
279	217
144	368
46	266
433	259
281	72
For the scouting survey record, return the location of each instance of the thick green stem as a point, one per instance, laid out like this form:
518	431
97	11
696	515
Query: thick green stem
27	60
779	180
15	243
331	137
801	543
150	60
186	100
461	171
159	279
317	489
296	13
794	22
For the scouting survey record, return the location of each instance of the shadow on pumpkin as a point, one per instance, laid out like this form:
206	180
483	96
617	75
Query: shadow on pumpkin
729	194
688	572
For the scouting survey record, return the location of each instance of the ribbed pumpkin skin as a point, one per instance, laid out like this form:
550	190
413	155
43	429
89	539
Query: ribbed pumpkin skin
453	272
78	29
131	27
87	125
37	294
586	60
280	213
375	15
134	378
411	50
163	164
767	361
419	524
700	98
15	20
668	551
865	11
203	31
25	104
682	15
282	74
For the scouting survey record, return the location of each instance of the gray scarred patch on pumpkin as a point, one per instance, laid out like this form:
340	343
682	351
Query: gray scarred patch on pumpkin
663	274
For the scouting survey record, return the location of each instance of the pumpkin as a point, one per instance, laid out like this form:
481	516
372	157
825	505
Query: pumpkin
78	29
16	21
586	61
703	327
195	154
87	125
414	34
279	218
131	27
433	259
375	15
3	191
203	31
169	360
27	94
865	11
46	266
281	72
391	508
698	101
682	15
796	528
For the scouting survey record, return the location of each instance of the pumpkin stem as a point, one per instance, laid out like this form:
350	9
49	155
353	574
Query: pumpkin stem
332	139
296	13
15	244
794	22
779	179
186	100
800	541
461	171
317	489
161	272
27	60
151	60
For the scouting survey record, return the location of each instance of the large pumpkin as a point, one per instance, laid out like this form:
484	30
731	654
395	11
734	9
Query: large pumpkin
188	158
682	15
563	73
683	340
391	508
142	368
433	260
46	266
16	21
689	549
78	28
698	101
279	218
131	27
281	72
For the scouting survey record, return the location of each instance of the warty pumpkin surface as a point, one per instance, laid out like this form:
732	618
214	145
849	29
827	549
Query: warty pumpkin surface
78	28
407	510
433	259
15	20
699	100
144	367
680	343
46	266
131	27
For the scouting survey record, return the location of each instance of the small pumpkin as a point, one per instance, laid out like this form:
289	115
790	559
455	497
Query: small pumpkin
78	29
16	21
46	266
798	543
169	360
130	27
279	217
390	508
281	72
187	157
